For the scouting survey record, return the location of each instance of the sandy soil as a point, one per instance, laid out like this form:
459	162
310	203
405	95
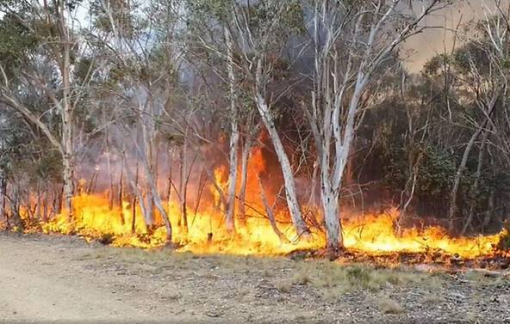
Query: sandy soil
65	280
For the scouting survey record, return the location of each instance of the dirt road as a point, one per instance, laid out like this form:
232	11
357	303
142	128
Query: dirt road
65	280
39	283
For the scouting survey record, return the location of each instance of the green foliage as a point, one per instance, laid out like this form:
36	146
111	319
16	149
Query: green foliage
436	172
84	69
435	65
16	41
123	13
435	169
215	9
273	20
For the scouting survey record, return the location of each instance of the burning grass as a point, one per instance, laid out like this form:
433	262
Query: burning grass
370	238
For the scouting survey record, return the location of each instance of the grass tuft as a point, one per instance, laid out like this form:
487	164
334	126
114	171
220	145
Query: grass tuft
283	287
358	276
389	306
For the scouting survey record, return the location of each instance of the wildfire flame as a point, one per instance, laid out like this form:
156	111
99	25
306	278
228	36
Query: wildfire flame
373	234
96	218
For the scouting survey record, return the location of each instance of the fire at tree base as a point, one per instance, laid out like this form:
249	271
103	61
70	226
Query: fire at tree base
366	238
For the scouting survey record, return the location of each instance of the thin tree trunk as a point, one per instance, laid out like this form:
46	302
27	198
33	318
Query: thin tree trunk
474	189
169	187
67	119
413	179
120	197
201	186
91	187
110	173
45	207
150	179
3	195
405	206
149	206
147	156
270	215
234	136
184	188
134	202
136	192
458	175
232	178
288	175
37	211
68	190
245	157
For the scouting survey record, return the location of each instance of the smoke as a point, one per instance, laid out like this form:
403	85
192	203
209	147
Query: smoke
443	36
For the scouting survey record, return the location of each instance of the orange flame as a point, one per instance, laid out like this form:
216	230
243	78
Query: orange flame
95	218
373	234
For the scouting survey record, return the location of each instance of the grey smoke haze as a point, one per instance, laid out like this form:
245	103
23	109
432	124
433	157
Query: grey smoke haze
435	41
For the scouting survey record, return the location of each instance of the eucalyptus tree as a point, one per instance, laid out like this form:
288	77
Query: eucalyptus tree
44	48
482	68
351	41
135	39
261	34
211	31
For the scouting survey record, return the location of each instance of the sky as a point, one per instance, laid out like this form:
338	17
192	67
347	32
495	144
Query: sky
436	41
421	48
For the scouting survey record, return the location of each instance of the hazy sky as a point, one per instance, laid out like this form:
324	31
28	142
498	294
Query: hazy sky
436	41
424	46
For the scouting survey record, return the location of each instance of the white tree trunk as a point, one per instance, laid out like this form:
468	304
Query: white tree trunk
159	205
234	135
232	177
458	176
332	220
331	177
65	109
184	185
147	156
67	160
245	156
465	156
288	175
3	195
67	123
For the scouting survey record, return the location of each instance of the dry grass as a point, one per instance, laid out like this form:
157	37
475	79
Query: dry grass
389	306
302	278
283	287
335	279
329	279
